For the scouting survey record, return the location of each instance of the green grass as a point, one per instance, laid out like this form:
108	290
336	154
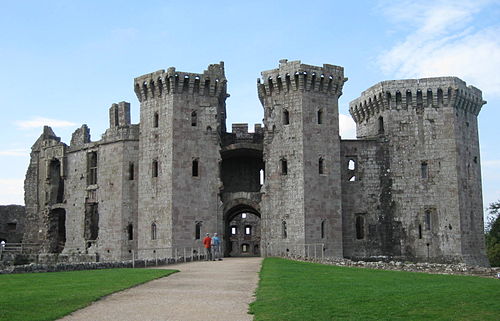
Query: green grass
49	296
290	290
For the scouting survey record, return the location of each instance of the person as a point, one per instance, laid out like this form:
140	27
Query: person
216	247
207	242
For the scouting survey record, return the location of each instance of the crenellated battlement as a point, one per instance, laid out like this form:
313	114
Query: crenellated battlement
212	82
295	76
416	93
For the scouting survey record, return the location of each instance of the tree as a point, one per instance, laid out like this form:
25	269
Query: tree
493	234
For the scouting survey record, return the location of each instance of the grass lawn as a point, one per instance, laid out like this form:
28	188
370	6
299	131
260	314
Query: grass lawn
290	290
49	296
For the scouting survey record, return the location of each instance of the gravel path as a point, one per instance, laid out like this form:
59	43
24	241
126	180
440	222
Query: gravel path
208	291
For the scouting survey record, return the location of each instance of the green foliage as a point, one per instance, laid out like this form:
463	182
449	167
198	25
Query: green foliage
50	296
493	234
290	290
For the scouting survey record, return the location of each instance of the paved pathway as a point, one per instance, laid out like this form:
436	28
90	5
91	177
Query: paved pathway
208	291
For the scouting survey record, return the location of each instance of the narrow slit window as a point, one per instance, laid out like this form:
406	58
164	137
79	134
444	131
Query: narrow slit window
156	120
194	118
154	169
234	230
321	166
320	117
153	231
195	169
130	232
286	117
323	229
261	177
427	220
284	232
197	231
248	230
424	171
284	167
420	231
131	171
381	129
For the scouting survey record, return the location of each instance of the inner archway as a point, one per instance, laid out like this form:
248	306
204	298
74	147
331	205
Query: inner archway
242	231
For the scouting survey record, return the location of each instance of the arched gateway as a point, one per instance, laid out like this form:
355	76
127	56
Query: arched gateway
242	229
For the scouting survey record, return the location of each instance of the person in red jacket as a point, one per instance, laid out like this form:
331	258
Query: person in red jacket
207	242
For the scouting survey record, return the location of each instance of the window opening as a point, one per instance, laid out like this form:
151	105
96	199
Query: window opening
244	215
420	231
323	229
360	227
248	230
154	170
197	231
261	177
244	248
381	125
286	117
320	117
130	232
92	168
352	165
284	233
194	170
153	231
156	120
91	230
131	171
321	166
424	170
194	118
284	167
117	120
11	227
234	230
427	220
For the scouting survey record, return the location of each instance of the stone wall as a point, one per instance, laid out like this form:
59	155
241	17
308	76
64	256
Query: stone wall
12	221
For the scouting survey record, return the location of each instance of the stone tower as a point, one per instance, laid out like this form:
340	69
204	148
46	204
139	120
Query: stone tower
430	181
302	197
182	116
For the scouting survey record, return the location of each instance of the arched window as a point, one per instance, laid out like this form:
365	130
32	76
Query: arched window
321	166
286	117
381	129
194	118
197	231
153	231
194	168
156	120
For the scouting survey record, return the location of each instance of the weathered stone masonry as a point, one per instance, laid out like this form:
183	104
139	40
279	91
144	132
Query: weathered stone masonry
408	188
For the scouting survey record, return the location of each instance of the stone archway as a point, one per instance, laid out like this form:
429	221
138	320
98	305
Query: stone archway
242	231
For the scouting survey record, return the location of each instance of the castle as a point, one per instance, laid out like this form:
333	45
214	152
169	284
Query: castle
408	188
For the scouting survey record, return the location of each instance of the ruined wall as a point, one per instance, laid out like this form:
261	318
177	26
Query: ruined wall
12	223
301	135
182	116
417	119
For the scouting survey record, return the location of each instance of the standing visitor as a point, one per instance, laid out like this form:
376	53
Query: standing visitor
207	242
216	247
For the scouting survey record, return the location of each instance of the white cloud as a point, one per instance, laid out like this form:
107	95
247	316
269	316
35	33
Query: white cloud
445	42
11	191
38	122
14	152
347	127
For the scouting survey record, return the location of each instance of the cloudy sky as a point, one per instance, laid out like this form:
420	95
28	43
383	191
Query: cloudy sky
63	63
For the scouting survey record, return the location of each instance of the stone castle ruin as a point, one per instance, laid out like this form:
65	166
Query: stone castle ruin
408	188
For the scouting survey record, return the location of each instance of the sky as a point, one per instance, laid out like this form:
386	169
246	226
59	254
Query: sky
63	63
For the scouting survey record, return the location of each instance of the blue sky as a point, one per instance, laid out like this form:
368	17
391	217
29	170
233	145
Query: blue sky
63	63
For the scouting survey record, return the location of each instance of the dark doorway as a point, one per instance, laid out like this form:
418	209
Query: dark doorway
58	229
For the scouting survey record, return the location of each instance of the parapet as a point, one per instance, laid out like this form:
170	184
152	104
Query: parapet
295	76
416	93
212	82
